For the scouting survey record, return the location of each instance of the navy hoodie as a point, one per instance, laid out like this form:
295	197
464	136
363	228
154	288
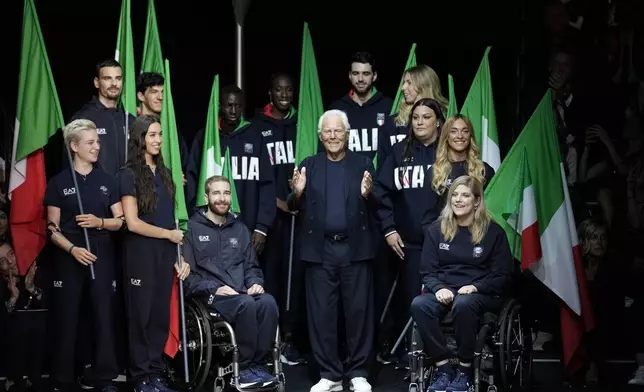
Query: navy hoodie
404	192
368	122
110	124
279	137
219	256
487	265
251	170
386	139
458	169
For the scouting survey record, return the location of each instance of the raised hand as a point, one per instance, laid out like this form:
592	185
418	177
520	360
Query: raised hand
299	180
366	185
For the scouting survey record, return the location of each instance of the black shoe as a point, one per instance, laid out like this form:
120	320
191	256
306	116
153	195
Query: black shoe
290	355
85	383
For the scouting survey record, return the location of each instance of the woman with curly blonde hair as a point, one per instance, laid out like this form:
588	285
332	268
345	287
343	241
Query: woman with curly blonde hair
458	155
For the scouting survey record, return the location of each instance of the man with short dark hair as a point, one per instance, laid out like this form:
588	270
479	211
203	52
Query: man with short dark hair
110	120
149	91
226	276
277	124
367	109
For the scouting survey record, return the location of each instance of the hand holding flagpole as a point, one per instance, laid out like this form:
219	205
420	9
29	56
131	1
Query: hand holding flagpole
80	205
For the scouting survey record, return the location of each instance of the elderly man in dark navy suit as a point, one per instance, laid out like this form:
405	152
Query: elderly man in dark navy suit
332	192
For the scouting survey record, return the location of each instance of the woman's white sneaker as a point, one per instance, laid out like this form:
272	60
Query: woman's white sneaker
325	385
360	384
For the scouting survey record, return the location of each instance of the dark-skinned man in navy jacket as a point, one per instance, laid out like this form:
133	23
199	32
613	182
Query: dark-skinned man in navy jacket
226	276
250	166
332	192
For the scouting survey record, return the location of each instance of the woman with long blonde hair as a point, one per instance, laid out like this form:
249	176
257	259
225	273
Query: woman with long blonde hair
419	82
467	266
458	155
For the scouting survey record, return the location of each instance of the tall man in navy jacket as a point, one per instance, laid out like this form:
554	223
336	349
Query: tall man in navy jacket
226	275
367	108
250	166
332	194
110	120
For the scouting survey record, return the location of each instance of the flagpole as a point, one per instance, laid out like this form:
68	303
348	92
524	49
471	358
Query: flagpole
290	265
80	205
239	54
184	340
126	131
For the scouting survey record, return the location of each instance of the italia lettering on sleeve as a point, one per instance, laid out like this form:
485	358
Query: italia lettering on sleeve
280	152
359	139
247	170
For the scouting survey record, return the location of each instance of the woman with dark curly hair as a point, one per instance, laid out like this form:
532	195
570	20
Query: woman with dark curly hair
147	195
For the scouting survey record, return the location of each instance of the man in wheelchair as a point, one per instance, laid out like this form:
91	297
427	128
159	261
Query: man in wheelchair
225	273
467	267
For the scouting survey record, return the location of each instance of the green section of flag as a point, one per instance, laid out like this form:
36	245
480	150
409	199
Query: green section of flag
227	172
125	56
411	62
211	153
310	106
152	57
170	150
536	149
479	108
452	107
38	110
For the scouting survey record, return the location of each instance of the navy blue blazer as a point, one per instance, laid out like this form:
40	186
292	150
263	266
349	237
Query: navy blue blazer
312	208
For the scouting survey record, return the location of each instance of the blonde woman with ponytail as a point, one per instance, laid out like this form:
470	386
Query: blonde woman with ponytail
466	266
458	155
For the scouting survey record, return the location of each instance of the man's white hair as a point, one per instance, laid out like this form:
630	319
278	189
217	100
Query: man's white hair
334	113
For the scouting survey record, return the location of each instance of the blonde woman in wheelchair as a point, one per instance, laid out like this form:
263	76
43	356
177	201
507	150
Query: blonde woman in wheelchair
466	267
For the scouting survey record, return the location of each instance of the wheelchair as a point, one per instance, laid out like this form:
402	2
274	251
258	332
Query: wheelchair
503	351
213	352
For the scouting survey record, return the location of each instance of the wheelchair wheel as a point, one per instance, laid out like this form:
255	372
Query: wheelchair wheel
199	342
515	355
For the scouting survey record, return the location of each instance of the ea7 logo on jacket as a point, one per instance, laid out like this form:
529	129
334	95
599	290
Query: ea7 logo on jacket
443	246
268	132
248	170
69	191
410	177
204	238
135	282
101	131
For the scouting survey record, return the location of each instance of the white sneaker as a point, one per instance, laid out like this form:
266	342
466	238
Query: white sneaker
360	384
638	377
325	385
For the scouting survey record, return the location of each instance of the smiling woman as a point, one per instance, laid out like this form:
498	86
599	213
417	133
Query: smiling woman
466	265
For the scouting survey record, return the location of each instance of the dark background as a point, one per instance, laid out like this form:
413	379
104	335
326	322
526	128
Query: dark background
199	40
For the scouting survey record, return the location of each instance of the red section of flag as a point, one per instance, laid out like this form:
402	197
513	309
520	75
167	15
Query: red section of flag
530	246
27	215
172	344
573	327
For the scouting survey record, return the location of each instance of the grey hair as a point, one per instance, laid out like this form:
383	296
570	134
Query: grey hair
336	113
72	131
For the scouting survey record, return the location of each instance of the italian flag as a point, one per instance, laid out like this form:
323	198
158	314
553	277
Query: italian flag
529	198
479	108
452	107
38	116
125	56
212	163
